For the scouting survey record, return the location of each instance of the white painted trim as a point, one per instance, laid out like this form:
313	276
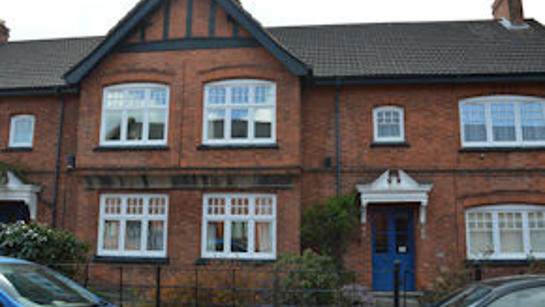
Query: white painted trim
227	218
16	190
123	217
251	106
391	188
14	120
487	101
507	208
379	139
147	87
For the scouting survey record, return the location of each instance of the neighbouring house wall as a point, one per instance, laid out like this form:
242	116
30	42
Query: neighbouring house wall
433	155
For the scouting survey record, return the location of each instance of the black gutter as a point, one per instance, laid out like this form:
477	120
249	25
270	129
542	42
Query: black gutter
39	91
53	203
338	140
427	79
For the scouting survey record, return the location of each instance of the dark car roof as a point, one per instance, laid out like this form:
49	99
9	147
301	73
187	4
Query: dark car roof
364	50
511	280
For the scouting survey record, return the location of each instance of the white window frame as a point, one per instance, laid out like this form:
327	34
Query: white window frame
487	101
401	137
228	84
497	254
145	128
228	218
13	122
123	217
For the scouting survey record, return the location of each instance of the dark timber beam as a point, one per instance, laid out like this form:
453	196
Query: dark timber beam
212	19
166	20
189	19
190	44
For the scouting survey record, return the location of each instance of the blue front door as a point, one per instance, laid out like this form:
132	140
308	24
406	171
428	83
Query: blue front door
393	239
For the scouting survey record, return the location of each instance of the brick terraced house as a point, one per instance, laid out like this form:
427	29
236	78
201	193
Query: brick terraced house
191	133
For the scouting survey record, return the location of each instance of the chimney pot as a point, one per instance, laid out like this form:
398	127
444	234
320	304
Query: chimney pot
4	33
510	13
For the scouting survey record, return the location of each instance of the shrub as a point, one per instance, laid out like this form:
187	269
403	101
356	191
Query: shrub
310	279
41	244
326	226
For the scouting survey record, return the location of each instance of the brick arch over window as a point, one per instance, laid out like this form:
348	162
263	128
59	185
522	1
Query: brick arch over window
496	197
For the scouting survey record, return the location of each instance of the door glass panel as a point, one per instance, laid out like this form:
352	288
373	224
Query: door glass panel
402	232
381	232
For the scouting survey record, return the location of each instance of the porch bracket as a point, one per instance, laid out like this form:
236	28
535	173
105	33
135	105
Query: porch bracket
13	188
393	187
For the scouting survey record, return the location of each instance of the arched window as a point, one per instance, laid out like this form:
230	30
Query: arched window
135	114
505	232
502	121
239	112
21	131
389	124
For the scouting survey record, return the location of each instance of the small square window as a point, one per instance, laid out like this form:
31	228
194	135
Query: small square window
22	131
389	125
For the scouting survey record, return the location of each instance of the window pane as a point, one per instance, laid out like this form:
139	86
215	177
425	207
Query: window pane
135	124
263	119
503	122
533	122
157	120
263	94
112	126
158	98
240	206
240	95
110	236
156	231
264	206
239	124
216	206
510	225
216	96
133	235
263	237
536	224
239	237
480	234
473	117
216	124
22	133
389	124
135	206
214	237
114	99
135	98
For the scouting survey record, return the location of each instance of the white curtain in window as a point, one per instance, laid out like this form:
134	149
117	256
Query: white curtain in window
481	243
264	238
155	235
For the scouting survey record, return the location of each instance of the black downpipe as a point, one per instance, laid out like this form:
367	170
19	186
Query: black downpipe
338	140
57	164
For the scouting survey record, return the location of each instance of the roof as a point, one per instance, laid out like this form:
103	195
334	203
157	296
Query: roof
372	51
408	49
41	63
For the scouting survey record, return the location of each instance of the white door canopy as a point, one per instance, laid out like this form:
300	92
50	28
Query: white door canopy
14	189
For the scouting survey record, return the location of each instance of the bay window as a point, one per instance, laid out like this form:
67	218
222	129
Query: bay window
133	225
239	112
239	226
134	115
502	121
506	232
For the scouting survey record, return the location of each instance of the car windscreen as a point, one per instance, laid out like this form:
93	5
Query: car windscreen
466	297
36	286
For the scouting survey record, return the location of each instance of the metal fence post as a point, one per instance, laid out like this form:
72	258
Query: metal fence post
397	266
196	287
478	272
121	286
158	287
233	287
86	280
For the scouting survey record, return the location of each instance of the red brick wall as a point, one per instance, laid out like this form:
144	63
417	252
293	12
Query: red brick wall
39	163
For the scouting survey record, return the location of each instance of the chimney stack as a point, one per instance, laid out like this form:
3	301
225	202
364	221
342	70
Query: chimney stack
510	13
4	33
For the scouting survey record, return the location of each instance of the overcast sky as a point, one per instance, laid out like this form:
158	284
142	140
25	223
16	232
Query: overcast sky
35	19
